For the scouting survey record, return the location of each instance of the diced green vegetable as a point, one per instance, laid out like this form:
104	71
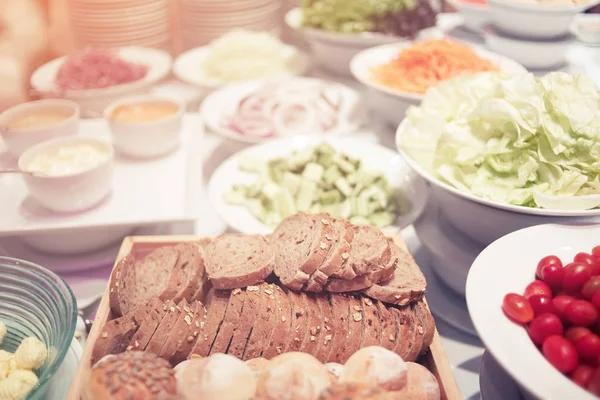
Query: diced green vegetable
316	180
252	164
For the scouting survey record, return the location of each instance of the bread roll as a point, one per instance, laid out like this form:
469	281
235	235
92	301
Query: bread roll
335	369
258	365
293	376
131	375
421	384
217	377
375	365
354	391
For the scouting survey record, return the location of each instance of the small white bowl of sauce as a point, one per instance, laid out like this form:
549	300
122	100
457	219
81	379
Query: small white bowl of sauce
146	126
68	174
28	124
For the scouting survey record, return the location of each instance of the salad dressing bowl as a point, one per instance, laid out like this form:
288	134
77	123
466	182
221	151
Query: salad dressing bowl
507	266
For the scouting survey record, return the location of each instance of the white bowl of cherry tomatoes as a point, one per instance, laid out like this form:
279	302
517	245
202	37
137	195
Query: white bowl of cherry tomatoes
534	298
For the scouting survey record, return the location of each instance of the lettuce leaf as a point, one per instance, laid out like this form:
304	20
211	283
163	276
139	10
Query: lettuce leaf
504	137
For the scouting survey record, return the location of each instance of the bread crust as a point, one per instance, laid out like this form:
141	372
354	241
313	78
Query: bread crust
250	310
283	327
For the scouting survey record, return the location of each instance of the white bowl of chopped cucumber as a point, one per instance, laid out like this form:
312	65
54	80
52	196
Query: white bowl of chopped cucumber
256	188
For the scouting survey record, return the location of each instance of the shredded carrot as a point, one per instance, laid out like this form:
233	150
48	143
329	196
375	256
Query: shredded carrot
425	64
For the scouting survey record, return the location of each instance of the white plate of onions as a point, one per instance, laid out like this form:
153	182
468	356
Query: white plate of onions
262	110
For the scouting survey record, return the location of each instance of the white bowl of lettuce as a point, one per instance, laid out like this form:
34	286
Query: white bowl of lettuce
504	152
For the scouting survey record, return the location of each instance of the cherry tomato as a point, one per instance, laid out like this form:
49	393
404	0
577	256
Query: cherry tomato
582	375
591	287
576	275
581	313
548	260
561	353
594	385
517	308
544	326
588	348
596	300
560	303
576	332
596	253
552	274
588	259
541	304
537	287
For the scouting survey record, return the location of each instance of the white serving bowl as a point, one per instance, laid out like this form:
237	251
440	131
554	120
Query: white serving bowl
146	139
73	192
533	54
587	28
390	103
508	265
94	101
334	51
527	19
19	140
475	16
485	220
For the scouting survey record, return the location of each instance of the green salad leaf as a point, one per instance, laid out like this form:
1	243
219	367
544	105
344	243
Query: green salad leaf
503	137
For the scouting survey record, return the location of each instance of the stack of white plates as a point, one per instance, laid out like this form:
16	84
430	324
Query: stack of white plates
118	23
204	20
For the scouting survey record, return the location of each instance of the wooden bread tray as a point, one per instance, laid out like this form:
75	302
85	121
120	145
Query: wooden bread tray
139	246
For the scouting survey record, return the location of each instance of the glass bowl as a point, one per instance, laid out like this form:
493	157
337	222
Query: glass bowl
36	302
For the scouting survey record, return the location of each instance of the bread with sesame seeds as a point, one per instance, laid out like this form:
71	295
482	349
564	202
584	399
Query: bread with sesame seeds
114	338
299	322
163	331
235	261
310	343
340	310
242	333
262	325
389	329
372	323
230	321
283	315
300	245
406	285
131	375
177	332
148	326
186	342
328	329
356	322
216	306
406	331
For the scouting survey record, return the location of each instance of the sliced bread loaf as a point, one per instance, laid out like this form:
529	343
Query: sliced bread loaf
300	244
406	330
254	345
369	253
216	306
163	331
185	344
299	322
177	332
283	317
372	323
114	338
311	341
341	311
355	326
230	321
236	261
328	327
389	328
418	333
189	271
148	325
242	333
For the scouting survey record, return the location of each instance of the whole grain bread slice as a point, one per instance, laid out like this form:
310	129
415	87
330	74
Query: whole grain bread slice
356	322
255	339
328	327
300	245
424	330
148	325
406	330
178	331
216	305
428	325
163	330
341	311
121	279
283	317
230	321
242	333
360	282
406	285
417	334
372	323
299	322
310	343
114	338
190	267
389	328
369	253
185	344
271	318
236	261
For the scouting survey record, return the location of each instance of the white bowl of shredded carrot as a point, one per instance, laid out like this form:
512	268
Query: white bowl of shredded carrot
398	75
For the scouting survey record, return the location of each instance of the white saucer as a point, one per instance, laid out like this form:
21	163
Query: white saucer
495	383
444	303
15	248
59	385
451	253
